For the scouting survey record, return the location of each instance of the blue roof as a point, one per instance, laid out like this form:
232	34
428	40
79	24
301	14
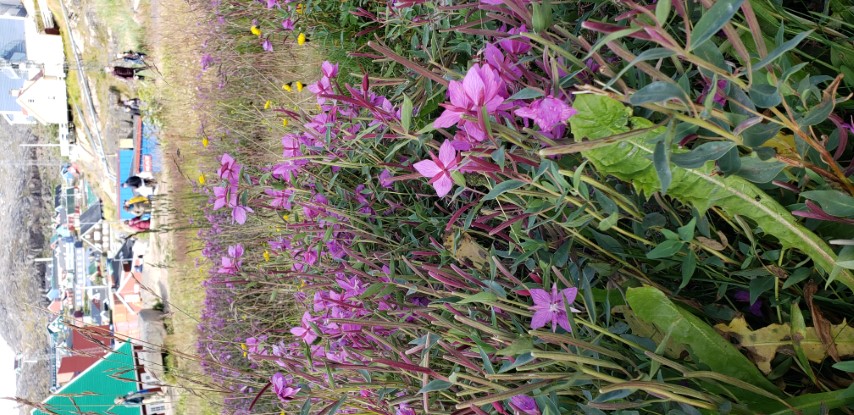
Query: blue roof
126	169
12	47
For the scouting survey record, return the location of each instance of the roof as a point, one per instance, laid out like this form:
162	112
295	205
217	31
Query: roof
90	218
12	45
95	389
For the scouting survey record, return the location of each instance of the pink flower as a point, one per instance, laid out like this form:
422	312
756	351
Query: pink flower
518	45
229	169
439	169
507	69
225	196
267	45
385	179
284	387
481	87
288	24
547	112
525	404
238	214
291	145
305	331
281	198
328	69
319	88
551	306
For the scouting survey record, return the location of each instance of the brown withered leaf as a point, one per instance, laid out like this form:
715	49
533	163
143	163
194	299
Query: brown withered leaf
467	252
763	344
710	243
822	325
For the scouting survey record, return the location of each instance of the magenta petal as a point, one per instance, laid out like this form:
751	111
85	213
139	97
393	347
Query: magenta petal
457	95
540	296
563	321
443	185
448	118
569	294
540	318
427	168
447	154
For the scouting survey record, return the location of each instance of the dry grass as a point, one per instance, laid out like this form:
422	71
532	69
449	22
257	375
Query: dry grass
176	37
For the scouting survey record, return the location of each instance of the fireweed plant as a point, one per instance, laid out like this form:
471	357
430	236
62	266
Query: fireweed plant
516	207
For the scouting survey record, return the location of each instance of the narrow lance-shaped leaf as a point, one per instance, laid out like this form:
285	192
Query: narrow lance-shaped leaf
629	160
713	21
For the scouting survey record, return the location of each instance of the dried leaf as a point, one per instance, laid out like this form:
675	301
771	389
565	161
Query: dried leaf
763	344
710	243
822	325
467	252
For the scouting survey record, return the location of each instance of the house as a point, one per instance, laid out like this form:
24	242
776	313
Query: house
14	68
87	346
96	388
44	98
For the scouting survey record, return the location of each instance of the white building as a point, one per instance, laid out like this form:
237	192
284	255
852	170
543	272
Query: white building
32	71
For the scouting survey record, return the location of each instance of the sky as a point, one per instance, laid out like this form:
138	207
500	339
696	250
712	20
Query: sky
7	379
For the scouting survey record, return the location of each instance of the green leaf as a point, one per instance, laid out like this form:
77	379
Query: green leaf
596	116
665	249
846	257
689	266
833	202
757	135
686	232
609	222
630	160
759	285
333	408
765	95
526	93
758	171
662	10
406	113
845	366
658	91
707	346
780	50
649	54
818	113
502	187
713	20
435	385
484	297
662	165
701	154
819	403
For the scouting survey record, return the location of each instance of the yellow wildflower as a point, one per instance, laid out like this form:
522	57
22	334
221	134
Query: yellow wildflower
301	39
255	30
202	179
287	87
245	349
205	142
286	217
300	8
266	255
268	104
302	283
284	122
299	86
